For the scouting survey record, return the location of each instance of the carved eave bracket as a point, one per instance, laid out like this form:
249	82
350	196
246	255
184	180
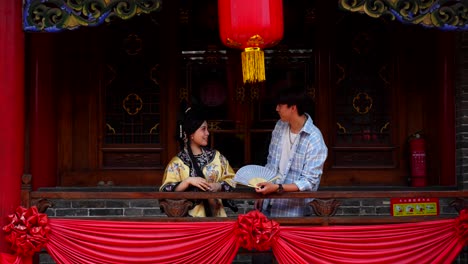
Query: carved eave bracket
459	204
175	208
442	14
42	205
58	15
325	208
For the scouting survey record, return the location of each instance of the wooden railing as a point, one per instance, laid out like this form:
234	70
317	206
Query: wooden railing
325	203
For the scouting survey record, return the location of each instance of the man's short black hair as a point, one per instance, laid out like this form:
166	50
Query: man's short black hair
295	95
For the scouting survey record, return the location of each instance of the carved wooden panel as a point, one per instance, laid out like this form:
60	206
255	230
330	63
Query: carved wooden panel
130	158
363	97
133	125
364	157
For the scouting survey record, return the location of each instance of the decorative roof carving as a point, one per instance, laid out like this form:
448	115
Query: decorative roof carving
443	14
58	15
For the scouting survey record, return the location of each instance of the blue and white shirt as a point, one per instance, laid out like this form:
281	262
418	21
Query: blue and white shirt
303	168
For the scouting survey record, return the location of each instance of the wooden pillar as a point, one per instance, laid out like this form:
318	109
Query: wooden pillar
170	58
446	62
11	109
43	113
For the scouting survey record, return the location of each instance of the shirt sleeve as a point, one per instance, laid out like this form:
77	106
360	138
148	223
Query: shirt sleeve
273	158
316	155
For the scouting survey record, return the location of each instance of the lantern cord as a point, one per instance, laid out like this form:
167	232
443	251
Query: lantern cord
253	65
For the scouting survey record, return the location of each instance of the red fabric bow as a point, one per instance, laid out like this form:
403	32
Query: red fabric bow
461	225
255	231
28	231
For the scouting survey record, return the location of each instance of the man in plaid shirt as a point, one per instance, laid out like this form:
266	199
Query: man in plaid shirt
297	153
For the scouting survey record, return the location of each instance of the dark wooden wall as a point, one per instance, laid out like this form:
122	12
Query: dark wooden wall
413	55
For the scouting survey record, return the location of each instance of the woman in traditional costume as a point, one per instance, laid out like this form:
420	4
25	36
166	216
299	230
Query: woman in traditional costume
199	168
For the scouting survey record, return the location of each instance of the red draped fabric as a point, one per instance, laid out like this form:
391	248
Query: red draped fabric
424	242
14	259
85	241
100	241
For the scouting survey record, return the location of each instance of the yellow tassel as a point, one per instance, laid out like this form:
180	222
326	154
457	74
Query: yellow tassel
253	65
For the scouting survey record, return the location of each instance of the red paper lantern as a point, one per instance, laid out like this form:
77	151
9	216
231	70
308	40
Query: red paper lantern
251	25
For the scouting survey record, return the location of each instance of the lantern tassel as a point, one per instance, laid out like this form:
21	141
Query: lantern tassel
253	65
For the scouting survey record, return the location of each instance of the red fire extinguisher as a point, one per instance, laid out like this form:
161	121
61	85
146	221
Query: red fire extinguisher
417	147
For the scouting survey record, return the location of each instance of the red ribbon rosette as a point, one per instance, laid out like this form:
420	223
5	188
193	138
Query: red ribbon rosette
28	231
255	231
461	225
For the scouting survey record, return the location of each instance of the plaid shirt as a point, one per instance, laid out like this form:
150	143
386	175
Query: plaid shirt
304	168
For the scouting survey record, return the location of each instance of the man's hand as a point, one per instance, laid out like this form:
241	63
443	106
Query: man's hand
266	187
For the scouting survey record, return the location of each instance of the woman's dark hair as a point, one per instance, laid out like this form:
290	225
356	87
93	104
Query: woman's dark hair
295	95
192	118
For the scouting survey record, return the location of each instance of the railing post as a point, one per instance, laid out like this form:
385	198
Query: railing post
26	189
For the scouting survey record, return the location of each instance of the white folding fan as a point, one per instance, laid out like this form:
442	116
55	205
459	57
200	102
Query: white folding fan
251	175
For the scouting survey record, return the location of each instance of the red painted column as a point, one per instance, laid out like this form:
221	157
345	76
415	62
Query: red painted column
11	109
43	114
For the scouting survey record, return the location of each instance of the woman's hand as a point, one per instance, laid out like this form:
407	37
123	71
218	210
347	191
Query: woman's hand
215	186
199	182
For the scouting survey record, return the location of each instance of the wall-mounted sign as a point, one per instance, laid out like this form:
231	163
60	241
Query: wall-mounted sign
414	206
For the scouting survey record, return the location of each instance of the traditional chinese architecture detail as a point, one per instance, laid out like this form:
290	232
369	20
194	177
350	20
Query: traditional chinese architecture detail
43	204
311	92
175	208
132	104
325	207
212	55
445	14
133	44
254	92
459	204
57	15
154	129
110	129
214	125
385	127
341	128
240	93
183	94
362	103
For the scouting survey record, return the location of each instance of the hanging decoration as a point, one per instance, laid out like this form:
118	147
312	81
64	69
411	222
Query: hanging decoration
90	241
251	26
27	231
